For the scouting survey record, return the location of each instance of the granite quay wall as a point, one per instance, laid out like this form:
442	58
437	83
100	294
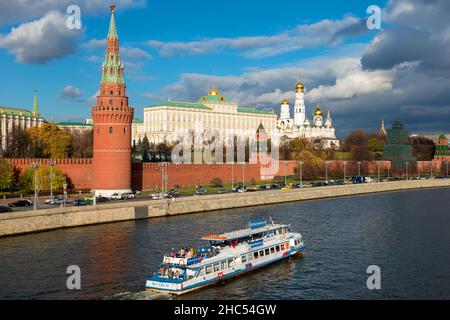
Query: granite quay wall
17	223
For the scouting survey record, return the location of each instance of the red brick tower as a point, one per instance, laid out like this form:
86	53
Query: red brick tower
112	124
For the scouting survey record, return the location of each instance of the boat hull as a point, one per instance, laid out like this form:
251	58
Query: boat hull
229	276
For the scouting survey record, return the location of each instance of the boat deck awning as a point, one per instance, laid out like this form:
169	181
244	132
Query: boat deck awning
239	234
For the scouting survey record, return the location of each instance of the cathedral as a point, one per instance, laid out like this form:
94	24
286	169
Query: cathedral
300	126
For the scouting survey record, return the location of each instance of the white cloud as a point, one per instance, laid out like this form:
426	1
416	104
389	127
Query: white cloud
16	11
41	40
71	93
325	32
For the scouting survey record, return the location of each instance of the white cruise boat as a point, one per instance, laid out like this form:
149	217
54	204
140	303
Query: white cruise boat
225	256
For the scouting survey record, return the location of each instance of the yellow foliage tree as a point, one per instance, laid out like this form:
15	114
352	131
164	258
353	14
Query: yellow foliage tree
50	141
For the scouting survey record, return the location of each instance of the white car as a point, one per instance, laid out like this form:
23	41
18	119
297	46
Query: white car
115	196
128	196
156	196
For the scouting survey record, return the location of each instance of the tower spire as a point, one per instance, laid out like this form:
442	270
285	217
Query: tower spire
383	130
36	104
112	24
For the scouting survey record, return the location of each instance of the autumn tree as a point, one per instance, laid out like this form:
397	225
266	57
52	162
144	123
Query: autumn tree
50	141
17	144
423	148
82	144
7	176
44	182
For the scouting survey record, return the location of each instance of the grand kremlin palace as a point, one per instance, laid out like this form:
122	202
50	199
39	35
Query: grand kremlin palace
19	118
213	113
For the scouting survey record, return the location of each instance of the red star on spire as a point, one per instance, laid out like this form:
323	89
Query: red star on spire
113	8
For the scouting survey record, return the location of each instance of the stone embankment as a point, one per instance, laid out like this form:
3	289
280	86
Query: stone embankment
17	223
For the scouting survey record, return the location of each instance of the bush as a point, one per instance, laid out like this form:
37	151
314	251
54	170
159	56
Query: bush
217	183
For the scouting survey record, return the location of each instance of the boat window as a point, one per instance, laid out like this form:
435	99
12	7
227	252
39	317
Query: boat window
244	259
230	263
261	253
272	250
256	255
267	252
223	265
250	257
277	248
209	269
282	246
216	267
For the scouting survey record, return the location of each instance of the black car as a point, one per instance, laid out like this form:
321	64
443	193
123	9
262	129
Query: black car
102	199
5	209
21	203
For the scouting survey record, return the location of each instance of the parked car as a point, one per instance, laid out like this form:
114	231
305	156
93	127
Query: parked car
89	200
116	196
172	194
5	209
156	196
102	199
222	191
21	203
200	192
242	189
287	188
297	185
80	203
128	196
58	201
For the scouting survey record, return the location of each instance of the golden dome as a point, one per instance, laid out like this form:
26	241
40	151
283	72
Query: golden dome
318	112
214	91
285	101
299	87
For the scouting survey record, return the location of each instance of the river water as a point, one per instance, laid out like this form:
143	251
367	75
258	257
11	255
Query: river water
406	234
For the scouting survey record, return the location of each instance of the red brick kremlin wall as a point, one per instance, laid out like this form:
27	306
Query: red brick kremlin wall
148	176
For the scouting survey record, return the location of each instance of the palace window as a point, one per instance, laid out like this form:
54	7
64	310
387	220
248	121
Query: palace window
110	130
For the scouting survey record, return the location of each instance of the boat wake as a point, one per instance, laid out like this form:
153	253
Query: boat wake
143	295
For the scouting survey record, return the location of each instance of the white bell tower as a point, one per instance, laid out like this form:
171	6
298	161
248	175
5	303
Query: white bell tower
299	108
285	113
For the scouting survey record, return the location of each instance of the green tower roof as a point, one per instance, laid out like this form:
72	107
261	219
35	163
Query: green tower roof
112	25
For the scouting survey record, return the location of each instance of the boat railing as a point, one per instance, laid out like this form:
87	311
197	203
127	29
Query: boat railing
156	277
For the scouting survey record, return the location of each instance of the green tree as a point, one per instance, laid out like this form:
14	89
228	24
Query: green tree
26	181
145	149
7	176
50	141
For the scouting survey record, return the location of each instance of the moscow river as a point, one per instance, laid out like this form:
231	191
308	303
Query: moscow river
406	234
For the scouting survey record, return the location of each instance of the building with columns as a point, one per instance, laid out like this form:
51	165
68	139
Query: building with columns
18	118
112	118
300	126
213	113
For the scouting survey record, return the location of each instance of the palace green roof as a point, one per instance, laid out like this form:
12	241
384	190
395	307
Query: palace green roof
70	123
16	112
200	106
138	121
181	104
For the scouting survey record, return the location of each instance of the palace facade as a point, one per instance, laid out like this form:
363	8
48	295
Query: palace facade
212	114
11	118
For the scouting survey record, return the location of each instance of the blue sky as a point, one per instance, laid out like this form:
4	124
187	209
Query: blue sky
253	50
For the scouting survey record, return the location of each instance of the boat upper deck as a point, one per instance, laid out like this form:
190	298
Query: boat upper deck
243	233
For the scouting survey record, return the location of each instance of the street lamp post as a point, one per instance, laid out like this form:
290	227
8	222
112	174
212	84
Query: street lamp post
300	165
359	168
285	173
51	163
378	167
232	175
406	173
35	166
345	171
243	174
